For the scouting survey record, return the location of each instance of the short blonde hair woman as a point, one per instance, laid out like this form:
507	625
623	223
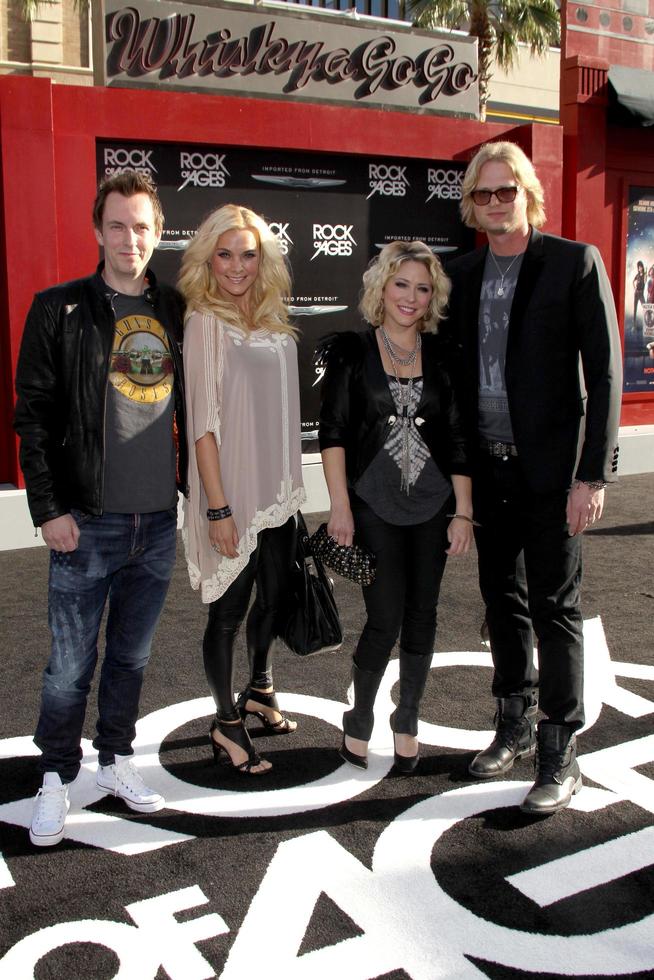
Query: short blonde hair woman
245	464
396	465
386	264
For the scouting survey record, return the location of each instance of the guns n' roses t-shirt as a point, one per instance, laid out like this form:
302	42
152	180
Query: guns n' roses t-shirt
139	471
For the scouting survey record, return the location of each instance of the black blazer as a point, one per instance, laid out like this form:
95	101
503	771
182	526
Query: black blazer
357	408
562	320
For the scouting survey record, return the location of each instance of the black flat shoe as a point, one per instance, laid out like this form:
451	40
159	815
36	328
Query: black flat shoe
405	763
238	735
360	761
281	727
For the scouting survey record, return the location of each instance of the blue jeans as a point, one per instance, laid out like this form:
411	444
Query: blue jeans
127	558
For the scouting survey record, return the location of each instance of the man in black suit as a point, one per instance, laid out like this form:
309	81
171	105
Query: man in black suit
546	438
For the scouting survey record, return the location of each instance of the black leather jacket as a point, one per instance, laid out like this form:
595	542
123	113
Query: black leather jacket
357	408
61	382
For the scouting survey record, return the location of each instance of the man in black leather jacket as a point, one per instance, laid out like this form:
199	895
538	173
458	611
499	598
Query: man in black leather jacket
100	415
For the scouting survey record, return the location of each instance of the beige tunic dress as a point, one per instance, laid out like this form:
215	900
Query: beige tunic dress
243	387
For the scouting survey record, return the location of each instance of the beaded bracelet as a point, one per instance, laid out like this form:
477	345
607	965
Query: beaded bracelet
592	484
464	517
219	513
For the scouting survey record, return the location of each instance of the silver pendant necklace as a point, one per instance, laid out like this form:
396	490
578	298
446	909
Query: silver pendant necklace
502	275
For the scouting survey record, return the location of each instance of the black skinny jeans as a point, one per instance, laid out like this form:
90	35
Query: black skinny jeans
403	598
269	566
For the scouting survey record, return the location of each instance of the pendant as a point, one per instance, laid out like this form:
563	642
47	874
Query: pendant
500	290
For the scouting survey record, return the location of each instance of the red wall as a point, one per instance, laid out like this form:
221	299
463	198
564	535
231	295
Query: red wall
601	160
47	142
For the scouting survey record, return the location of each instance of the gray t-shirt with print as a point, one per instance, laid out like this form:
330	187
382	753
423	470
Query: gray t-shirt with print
140	453
380	483
497	289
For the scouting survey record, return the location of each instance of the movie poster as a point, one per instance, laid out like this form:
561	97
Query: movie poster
331	214
639	292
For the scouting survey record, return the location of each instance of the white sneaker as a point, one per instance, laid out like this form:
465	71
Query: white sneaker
124	781
51	805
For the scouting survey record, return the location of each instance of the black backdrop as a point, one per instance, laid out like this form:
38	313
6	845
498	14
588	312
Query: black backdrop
332	213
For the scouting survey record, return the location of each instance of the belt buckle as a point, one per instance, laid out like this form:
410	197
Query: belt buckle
501	450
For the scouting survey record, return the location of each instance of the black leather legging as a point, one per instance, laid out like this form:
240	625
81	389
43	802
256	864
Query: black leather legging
268	566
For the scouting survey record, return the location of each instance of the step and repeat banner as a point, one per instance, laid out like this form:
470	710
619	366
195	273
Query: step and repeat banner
331	214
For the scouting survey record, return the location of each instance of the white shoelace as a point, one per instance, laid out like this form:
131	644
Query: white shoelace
127	774
51	804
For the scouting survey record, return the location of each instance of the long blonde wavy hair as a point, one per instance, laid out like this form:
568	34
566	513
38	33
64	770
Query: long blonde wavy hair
385	265
199	287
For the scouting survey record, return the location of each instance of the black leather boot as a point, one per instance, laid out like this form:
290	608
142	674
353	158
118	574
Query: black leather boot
558	777
358	722
414	671
515	737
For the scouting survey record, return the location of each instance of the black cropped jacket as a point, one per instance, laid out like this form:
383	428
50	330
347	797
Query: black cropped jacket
357	408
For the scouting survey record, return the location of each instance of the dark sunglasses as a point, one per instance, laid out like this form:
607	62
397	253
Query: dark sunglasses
505	195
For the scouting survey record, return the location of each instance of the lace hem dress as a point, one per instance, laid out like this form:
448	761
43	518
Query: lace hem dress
244	388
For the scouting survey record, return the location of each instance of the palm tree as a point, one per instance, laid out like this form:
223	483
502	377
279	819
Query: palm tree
29	8
498	24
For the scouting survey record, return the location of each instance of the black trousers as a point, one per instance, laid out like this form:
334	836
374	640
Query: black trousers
530	577
403	598
269	566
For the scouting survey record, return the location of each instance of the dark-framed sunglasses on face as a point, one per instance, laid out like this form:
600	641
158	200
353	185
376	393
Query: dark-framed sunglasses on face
505	195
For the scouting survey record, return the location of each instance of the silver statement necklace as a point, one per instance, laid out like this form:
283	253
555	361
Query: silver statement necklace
406	391
391	349
502	275
405	397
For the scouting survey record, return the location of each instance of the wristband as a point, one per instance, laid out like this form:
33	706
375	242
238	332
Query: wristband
219	513
464	517
593	484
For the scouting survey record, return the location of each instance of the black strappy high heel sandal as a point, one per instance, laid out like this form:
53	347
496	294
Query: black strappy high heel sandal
282	727
238	735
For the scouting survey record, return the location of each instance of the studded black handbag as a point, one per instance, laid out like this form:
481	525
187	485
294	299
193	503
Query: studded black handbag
351	561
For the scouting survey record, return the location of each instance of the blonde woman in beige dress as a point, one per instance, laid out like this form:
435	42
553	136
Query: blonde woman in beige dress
245	472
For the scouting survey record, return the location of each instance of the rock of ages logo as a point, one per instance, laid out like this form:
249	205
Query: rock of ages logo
444	184
202	169
332	240
281	230
415	909
118	159
387	180
141	363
